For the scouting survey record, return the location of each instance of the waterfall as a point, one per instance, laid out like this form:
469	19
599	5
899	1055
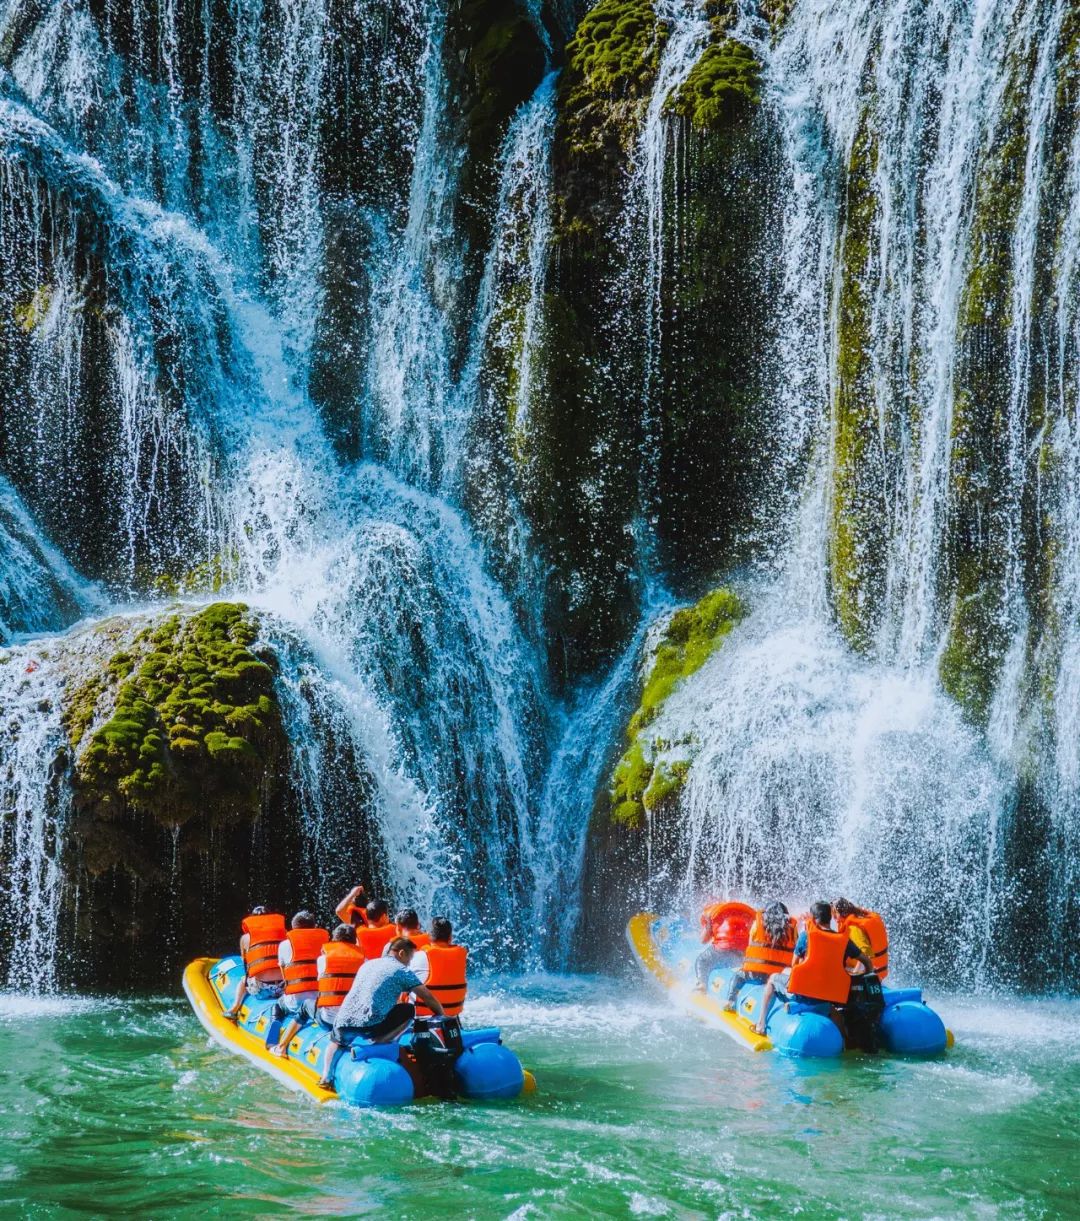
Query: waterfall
399	653
261	317
823	768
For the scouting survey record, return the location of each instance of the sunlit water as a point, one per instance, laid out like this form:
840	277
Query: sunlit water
119	1107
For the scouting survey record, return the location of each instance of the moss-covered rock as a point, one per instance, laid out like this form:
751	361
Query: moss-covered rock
983	510
182	724
652	770
30	313
725	82
858	519
611	66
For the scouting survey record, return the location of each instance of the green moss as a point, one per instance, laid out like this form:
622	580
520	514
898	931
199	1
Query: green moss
81	707
857	513
643	778
776	12
611	66
723	83
30	314
209	577
975	643
194	724
615	53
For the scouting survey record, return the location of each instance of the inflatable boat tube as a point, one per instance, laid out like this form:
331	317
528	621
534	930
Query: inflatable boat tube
367	1075
667	949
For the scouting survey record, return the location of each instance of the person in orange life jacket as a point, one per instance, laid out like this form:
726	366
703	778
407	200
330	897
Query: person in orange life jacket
769	949
377	934
866	1003
447	964
407	923
818	973
298	955
371	1010
867	929
351	909
344	957
725	939
263	933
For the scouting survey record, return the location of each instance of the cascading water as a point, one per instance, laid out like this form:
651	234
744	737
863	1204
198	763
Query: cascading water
816	770
412	662
268	335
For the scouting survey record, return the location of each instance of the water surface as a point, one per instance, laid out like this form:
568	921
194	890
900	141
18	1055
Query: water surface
115	1107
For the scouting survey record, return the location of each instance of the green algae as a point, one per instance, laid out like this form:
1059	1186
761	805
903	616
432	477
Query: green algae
648	775
193	726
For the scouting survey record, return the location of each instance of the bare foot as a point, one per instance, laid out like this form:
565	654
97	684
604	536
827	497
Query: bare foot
698	988
278	1050
729	1007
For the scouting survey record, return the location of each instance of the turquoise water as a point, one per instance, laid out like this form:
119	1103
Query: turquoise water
125	1108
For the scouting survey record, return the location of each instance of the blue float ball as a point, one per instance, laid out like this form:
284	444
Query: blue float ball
373	1083
913	1029
804	1034
489	1070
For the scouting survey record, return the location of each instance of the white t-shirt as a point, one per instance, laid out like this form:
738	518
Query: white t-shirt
418	966
284	957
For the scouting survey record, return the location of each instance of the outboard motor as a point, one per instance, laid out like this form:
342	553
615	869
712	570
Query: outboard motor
862	1014
430	1058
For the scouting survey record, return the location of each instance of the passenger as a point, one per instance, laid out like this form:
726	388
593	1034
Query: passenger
263	932
372	1010
447	965
379	932
818	973
769	951
407	924
866	1003
725	936
350	910
299	958
849	918
337	965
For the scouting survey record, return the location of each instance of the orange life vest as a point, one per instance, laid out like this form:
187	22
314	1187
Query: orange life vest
343	960
821	975
374	940
764	958
301	974
874	927
420	940
265	934
728	924
356	916
446	977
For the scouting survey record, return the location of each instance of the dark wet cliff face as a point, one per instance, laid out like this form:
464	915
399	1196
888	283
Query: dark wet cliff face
462	343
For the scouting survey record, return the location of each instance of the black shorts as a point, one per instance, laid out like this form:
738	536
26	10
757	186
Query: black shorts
398	1016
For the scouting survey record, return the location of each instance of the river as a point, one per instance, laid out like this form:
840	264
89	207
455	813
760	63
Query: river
123	1107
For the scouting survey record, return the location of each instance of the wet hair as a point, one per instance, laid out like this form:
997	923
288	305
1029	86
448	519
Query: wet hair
344	932
259	911
407	919
821	912
845	907
376	909
441	929
402	943
303	919
775	920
